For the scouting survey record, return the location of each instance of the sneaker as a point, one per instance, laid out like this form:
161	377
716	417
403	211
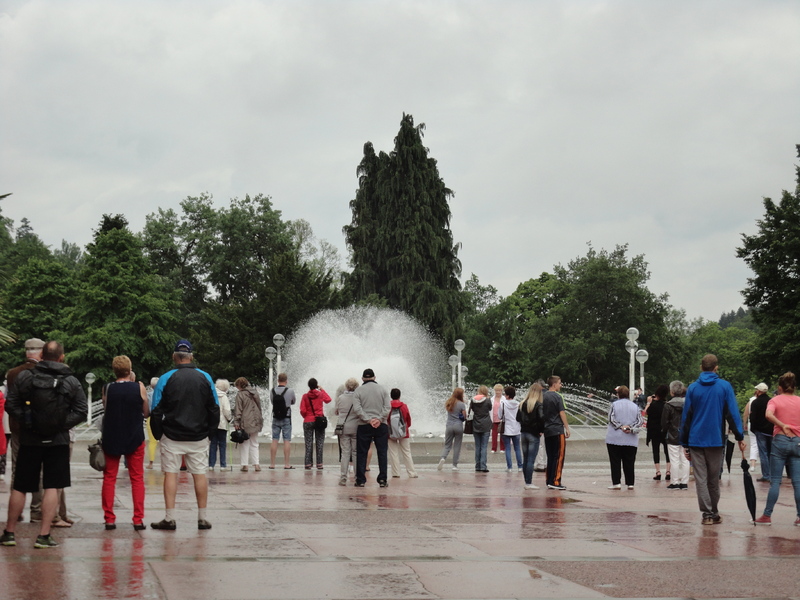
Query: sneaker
796	523
164	524
764	480
630	487
383	484
454	469
441	463
764	520
203	524
510	470
616	486
2	477
9	539
519	469
111	526
707	521
343	481
359	484
530	486
684	486
556	487
45	541
716	520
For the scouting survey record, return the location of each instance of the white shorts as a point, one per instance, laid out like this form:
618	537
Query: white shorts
196	454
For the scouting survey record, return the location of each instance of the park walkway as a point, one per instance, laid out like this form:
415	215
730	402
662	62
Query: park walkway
298	534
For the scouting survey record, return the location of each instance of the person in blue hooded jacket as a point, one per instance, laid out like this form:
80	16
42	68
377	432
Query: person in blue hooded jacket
710	403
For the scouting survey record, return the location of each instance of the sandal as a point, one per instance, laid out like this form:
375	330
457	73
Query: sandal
658	476
667	477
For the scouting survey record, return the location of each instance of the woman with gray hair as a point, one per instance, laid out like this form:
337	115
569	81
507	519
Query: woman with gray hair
670	424
346	427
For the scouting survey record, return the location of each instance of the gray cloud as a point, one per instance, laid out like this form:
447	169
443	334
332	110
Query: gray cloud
655	124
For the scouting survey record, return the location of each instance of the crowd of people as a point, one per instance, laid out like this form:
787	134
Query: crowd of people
187	416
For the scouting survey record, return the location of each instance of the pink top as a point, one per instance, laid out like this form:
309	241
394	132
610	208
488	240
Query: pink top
496	402
787	409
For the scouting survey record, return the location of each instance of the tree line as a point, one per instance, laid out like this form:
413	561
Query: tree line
231	277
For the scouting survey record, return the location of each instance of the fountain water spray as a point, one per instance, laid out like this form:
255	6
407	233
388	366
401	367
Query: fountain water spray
334	345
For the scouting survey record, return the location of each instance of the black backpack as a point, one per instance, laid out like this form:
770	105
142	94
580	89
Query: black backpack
46	405
279	409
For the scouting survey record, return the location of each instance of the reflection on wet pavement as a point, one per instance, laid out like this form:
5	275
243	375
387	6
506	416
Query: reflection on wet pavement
298	534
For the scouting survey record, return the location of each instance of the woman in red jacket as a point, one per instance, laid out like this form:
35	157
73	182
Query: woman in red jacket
311	407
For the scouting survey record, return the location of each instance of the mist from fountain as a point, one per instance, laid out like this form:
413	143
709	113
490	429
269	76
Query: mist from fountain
334	345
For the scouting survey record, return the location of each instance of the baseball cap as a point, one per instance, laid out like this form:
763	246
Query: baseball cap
34	344
368	373
183	346
762	387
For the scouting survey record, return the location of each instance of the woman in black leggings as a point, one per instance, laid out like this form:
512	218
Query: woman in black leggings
655	406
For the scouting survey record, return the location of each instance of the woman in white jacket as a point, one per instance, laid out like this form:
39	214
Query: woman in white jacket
220	438
511	433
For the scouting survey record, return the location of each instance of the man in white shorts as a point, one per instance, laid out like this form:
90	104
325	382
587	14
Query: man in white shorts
184	415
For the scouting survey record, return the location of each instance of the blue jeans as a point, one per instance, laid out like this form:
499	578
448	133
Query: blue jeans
530	448
218	440
508	440
764	443
785	452
481	448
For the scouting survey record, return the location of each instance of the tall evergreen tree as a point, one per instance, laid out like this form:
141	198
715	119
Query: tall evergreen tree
120	308
773	293
400	239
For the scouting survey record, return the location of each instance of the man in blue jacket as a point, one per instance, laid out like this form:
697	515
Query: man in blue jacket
185	411
710	403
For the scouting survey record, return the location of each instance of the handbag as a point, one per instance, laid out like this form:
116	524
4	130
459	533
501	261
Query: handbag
97	458
239	436
321	421
339	429
501	427
468	423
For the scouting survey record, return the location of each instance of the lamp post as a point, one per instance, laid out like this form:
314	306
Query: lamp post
459	345
642	356
631	345
453	362
90	379
270	353
464	372
278	340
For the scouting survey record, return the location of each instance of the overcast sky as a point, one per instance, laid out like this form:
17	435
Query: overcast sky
658	124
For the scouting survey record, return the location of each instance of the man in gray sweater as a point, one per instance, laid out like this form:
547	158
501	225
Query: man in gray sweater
372	404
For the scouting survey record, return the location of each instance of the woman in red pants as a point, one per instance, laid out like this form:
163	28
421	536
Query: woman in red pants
126	407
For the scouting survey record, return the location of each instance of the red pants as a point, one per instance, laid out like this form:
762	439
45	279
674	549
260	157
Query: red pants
495	427
136	472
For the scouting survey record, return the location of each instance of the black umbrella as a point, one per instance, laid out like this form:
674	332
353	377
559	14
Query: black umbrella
729	448
749	489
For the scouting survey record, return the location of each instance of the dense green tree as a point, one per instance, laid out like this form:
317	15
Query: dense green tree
34	302
120	307
232	335
733	346
401	245
572	323
773	293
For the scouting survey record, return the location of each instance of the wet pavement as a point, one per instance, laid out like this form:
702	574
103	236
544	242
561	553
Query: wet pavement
298	534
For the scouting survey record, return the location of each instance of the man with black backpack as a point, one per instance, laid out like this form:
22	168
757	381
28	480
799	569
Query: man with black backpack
47	401
282	398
